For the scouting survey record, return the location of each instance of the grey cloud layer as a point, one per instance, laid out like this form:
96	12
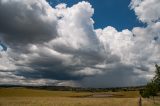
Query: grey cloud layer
60	46
24	21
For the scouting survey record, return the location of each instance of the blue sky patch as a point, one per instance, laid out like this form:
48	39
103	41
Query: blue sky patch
115	13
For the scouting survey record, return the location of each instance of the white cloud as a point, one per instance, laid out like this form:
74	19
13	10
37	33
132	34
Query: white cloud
146	10
6	63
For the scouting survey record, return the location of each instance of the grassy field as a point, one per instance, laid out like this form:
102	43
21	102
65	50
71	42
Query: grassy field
30	97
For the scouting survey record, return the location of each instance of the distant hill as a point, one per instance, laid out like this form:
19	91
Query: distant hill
68	88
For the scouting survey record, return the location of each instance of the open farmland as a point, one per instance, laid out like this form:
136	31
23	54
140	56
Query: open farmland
32	97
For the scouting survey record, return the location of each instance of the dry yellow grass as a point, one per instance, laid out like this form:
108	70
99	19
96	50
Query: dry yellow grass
63	101
29	97
21	92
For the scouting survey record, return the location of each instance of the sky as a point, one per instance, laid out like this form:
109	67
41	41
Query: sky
92	43
105	13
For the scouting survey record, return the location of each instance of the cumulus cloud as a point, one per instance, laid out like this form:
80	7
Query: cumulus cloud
64	57
146	10
59	46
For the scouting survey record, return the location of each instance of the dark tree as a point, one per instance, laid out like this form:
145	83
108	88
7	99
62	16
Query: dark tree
153	87
156	79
